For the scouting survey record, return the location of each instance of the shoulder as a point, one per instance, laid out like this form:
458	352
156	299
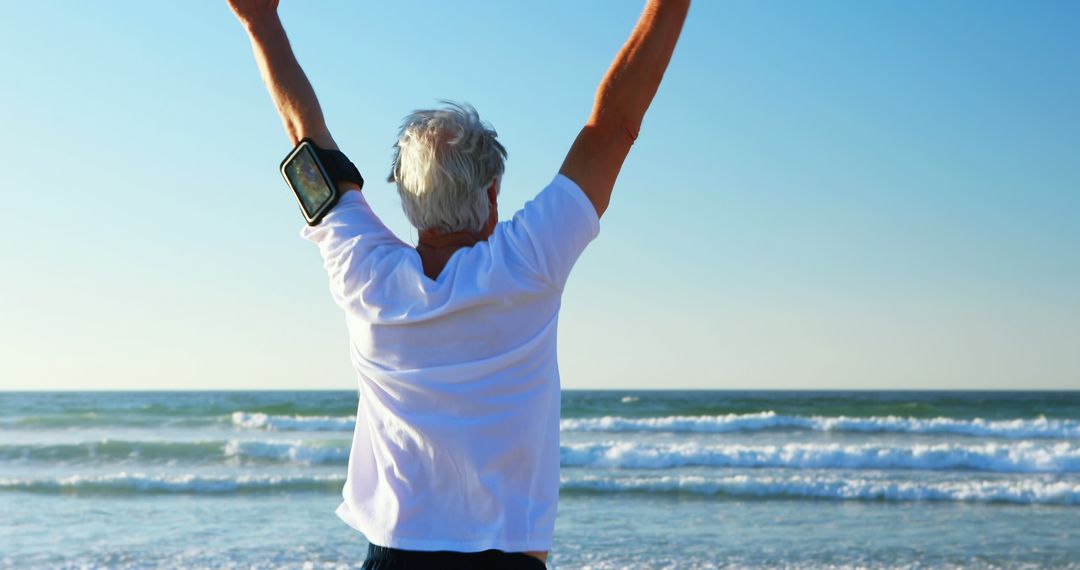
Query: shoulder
561	201
550	231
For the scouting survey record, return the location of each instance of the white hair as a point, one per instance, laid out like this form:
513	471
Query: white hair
444	162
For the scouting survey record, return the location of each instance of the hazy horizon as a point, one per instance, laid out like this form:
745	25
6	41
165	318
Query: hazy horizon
564	389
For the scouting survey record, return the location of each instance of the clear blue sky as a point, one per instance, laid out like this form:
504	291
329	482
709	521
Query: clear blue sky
841	194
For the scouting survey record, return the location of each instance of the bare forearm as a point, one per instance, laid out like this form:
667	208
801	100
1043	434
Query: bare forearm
288	85
632	80
597	155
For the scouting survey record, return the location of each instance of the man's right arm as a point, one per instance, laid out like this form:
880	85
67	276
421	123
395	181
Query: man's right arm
597	156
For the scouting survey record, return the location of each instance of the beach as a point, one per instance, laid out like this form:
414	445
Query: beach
649	479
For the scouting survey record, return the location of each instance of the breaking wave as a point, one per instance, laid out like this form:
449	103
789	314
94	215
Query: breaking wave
293	423
141	483
851	489
994	456
290	451
1012	428
171	452
1039	428
1022	457
1023	491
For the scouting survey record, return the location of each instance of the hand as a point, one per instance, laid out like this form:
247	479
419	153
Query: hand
253	11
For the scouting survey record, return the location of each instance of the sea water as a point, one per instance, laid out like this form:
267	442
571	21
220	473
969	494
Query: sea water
650	479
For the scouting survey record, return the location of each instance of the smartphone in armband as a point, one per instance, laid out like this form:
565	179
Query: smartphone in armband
312	173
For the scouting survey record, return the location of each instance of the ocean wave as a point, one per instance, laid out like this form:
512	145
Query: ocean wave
1019	428
260	420
1023	491
1022	457
1014	457
1013	428
289	451
94	419
142	483
111	450
171	452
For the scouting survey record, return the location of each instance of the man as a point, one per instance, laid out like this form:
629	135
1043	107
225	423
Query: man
455	457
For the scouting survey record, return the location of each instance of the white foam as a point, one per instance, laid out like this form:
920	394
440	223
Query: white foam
822	486
1015	428
725	423
293	423
124	482
1024	491
1018	428
1022	457
292	451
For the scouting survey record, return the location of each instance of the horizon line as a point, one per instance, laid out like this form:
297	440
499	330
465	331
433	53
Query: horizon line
166	390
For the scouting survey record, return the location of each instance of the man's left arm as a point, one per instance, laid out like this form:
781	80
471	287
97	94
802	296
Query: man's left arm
285	80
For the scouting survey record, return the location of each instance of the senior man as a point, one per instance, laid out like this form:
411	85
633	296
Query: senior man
455	456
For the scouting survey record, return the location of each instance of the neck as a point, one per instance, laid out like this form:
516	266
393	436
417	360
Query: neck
436	248
434	239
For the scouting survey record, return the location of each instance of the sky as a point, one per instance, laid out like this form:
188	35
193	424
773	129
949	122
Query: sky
844	194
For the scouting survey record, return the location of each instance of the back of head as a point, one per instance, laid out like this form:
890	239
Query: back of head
444	162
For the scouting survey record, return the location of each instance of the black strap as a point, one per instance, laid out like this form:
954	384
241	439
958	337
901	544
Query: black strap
339	167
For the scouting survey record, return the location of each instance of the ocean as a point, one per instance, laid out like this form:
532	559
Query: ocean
650	479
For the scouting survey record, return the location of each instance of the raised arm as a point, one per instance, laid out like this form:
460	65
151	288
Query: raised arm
289	87
624	95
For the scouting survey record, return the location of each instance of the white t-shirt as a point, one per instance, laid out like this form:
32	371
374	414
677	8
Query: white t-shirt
456	444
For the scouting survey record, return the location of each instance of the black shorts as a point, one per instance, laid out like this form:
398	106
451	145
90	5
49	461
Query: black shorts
385	558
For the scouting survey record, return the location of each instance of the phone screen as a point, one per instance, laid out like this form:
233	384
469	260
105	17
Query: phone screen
307	181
